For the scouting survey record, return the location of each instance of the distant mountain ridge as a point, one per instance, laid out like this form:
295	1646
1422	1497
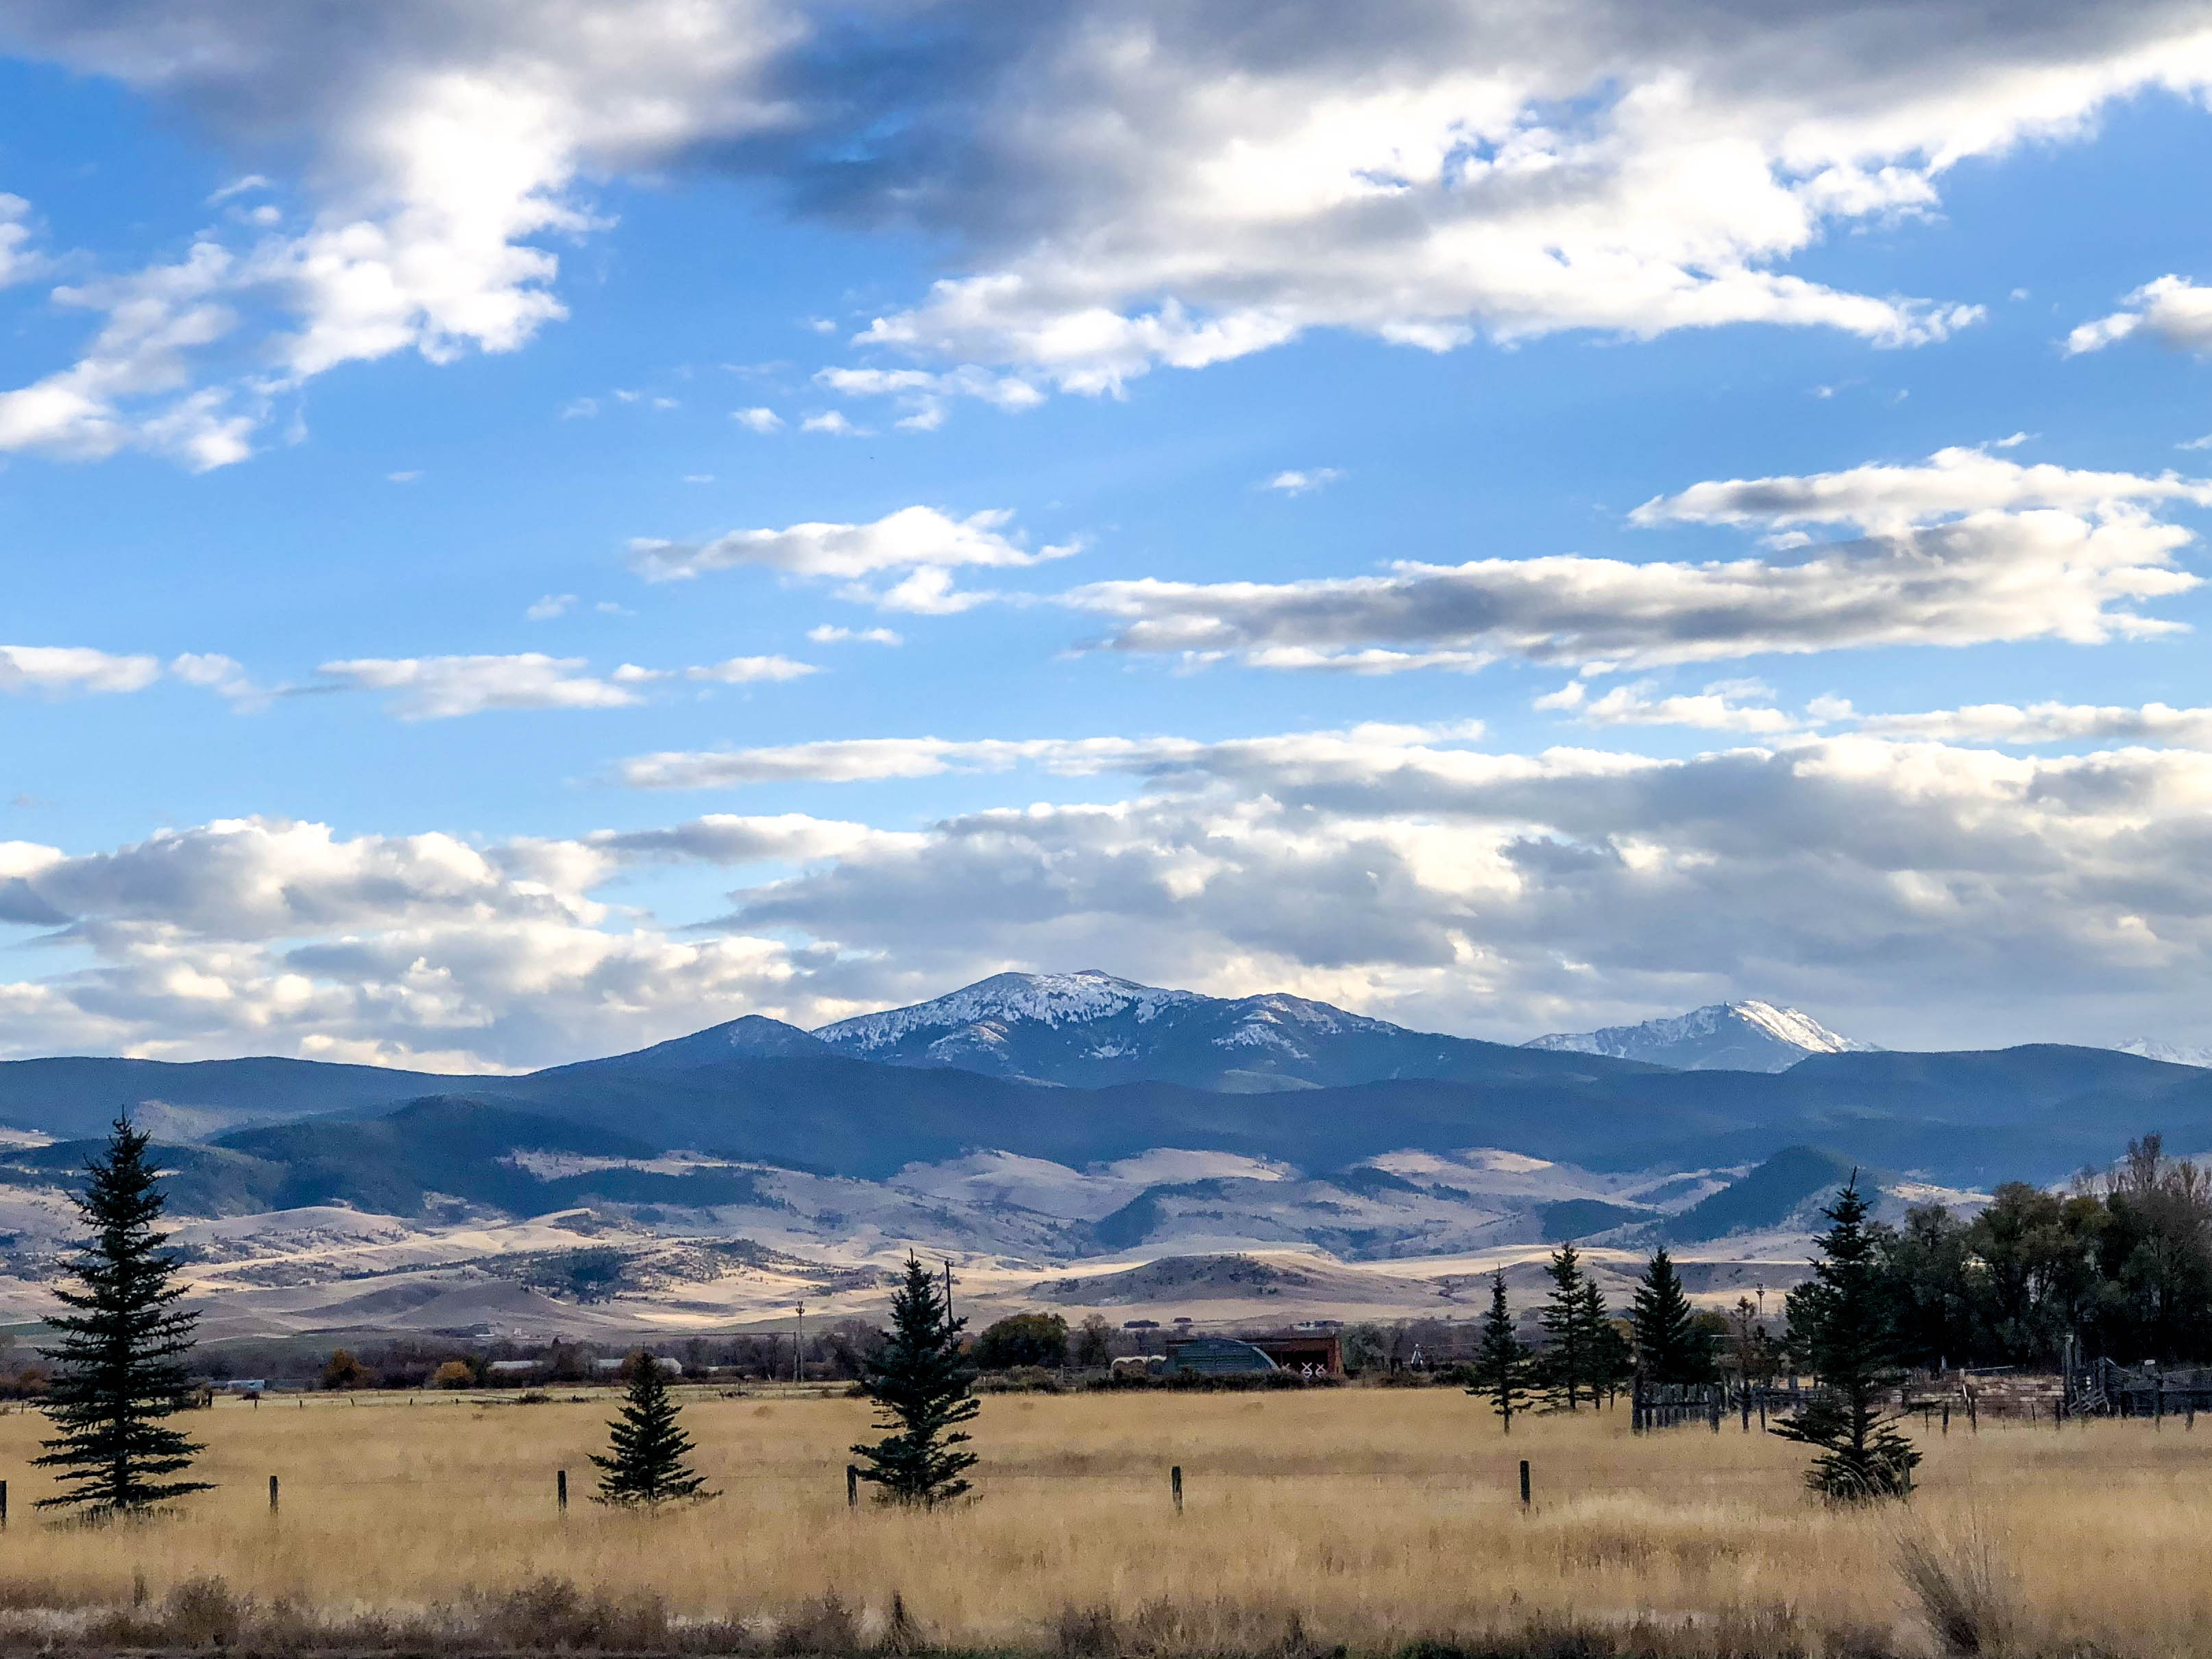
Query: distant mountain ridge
1726	1036
1091	1030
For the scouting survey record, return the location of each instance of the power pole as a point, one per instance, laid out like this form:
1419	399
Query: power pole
797	1345
948	1291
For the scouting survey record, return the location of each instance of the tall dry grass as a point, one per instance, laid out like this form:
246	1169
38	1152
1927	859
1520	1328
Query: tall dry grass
1368	1518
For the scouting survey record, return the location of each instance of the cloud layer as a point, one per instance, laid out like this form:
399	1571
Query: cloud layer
1918	891
1965	550
1118	186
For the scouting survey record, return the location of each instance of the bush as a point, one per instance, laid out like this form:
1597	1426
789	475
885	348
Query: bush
1022	1339
345	1372
453	1374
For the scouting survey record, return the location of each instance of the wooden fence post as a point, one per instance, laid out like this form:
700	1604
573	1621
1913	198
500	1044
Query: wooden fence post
1175	1486
852	1486
1524	1484
272	1494
560	1490
4	1506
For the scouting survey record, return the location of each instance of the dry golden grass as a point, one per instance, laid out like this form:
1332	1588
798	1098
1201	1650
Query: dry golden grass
1375	1516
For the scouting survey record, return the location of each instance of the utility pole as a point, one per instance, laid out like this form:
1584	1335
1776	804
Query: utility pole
948	1291
797	1345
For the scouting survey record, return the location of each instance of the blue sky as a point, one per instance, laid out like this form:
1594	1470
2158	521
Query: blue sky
520	546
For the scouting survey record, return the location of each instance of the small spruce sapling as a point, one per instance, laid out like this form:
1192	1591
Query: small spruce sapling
1500	1370
119	1362
648	1452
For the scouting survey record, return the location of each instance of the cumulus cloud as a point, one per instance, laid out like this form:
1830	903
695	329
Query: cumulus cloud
2173	310
1952	895
1916	890
927	544
1966	549
758	419
828	634
59	670
1116	186
751	670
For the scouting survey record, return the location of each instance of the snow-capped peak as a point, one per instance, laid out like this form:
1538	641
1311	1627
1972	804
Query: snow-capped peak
1737	1036
2173	1053
1042	999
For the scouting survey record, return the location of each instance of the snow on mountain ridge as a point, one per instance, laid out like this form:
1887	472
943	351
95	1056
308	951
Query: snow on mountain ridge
1747	1036
2173	1053
1047	999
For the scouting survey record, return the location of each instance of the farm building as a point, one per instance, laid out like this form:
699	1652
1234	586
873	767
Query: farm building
1215	1356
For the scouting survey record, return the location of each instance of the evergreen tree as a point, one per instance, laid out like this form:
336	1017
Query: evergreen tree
1500	1372
1572	1342
1613	1362
1842	1320
647	1449
120	1359
1671	1346
919	1380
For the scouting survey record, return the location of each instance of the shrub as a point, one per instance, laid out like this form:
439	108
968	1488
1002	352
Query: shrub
1022	1339
453	1374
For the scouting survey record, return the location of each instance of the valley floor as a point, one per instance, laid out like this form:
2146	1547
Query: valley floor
1373	1518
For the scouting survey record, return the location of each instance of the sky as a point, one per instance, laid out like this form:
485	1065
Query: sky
534	527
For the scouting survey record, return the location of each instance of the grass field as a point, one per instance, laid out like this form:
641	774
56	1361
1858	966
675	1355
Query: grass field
1373	1517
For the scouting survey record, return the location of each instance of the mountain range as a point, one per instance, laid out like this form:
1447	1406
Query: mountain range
1043	1120
1082	1069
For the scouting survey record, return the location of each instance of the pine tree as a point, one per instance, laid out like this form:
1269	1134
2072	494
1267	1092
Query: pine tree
1613	1362
120	1359
647	1449
1567	1322
1844	1325
919	1380
1670	1346
1500	1372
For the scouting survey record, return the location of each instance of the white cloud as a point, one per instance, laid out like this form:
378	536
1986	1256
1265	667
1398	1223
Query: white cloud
2051	722
59	670
408	477
758	419
915	539
1919	893
1951	483
751	671
925	397
550	606
224	676
834	424
829	635
1117	186
2175	310
19	260
1965	549
867	759
444	688
1295	482
1726	706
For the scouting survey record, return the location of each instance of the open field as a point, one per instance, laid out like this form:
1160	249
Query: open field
1375	1516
